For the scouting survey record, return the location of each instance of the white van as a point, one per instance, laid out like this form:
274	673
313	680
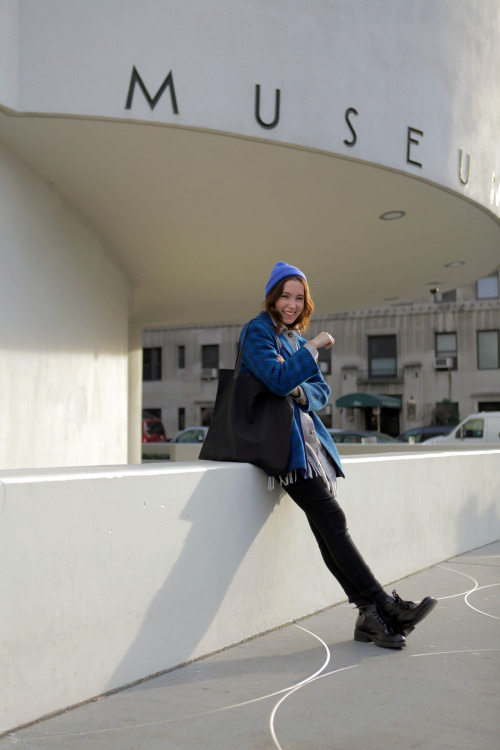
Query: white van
477	429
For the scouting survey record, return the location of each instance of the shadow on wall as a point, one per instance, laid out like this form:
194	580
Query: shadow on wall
190	600
198	607
473	520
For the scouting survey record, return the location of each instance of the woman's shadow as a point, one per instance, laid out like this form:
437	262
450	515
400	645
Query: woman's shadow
226	511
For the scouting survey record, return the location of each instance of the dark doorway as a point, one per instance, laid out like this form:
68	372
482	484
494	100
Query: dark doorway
206	415
488	406
389	421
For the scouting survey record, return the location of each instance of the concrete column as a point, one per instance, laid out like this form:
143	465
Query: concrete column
134	393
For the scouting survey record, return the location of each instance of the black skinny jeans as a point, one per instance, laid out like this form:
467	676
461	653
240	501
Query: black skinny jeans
328	524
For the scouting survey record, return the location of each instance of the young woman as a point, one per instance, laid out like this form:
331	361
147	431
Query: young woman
314	462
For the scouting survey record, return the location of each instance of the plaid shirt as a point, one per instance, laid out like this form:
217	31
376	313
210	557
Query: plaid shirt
260	359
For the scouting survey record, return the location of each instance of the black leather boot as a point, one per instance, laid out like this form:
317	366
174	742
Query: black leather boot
403	616
371	626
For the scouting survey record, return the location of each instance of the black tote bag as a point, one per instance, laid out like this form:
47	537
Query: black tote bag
250	424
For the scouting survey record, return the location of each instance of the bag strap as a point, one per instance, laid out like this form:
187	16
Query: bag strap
240	351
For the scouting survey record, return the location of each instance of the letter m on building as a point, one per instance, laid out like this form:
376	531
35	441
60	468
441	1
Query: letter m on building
152	101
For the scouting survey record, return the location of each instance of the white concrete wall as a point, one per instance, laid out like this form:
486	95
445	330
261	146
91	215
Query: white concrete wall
135	394
113	575
63	332
325	57
9	52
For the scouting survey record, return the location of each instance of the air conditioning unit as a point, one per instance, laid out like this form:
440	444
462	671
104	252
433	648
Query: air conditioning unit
210	373
443	363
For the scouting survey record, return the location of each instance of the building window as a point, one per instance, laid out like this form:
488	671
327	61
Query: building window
446	296
151	413
487	350
151	363
181	361
181	419
209	361
487	288
446	348
488	406
325	361
382	356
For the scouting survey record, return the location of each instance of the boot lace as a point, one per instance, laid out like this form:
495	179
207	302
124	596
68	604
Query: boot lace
400	603
379	617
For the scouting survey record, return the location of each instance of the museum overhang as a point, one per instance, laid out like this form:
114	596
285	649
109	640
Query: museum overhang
202	162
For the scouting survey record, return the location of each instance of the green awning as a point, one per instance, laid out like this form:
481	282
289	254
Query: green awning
362	400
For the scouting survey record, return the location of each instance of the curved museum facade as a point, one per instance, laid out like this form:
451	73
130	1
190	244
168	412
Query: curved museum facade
157	159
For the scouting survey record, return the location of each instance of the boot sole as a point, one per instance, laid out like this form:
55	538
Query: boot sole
362	637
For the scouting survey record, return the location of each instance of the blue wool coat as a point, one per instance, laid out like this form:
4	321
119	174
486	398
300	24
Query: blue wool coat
260	353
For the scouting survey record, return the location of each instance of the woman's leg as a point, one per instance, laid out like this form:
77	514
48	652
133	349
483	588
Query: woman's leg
328	524
340	554
343	559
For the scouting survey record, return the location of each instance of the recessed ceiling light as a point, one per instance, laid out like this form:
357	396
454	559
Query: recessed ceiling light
390	299
433	283
391	215
455	264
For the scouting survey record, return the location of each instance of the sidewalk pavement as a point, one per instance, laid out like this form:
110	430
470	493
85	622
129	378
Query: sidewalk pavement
310	686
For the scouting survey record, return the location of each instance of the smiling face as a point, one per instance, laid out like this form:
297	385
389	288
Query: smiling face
291	302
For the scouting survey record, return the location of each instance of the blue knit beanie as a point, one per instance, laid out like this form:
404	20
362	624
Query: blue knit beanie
281	271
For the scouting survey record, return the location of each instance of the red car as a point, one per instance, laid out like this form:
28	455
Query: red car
153	430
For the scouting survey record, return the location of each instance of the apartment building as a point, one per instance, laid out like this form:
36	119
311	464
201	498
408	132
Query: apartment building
429	362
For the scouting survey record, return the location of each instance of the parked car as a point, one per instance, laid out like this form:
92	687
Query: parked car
423	434
482	428
360	436
153	430
191	435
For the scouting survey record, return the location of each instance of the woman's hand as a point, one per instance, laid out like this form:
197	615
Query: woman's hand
322	339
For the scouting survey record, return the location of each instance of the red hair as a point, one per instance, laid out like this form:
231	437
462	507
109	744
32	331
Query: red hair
302	322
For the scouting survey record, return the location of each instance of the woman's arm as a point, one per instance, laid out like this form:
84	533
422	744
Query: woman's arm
322	339
316	391
260	358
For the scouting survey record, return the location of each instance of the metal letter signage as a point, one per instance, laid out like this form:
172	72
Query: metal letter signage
348	112
267	125
412	140
495	191
463	180
413	136
168	82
